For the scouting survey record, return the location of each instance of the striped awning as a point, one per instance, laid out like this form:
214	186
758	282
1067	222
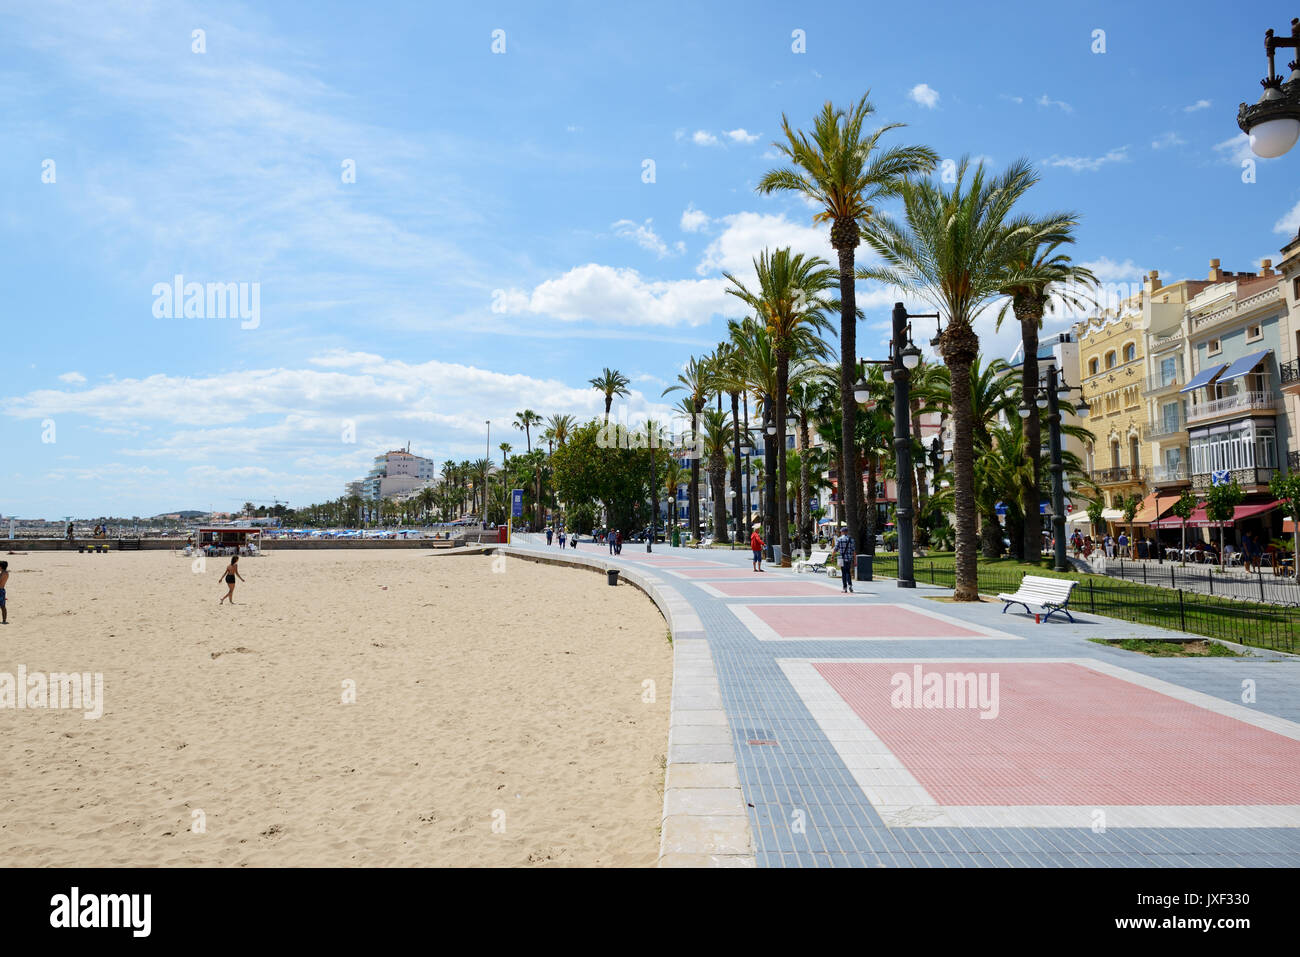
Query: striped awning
1243	365
1204	377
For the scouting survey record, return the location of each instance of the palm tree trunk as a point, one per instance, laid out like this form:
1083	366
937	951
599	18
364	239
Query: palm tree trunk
960	346
867	544
719	481
805	509
1030	317
782	382
770	532
922	495
844	238
736	460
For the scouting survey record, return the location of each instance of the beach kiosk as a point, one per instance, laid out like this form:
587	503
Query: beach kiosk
230	540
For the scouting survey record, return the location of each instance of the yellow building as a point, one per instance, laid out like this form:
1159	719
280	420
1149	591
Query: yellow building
1112	372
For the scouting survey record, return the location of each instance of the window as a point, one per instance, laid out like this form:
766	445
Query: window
1170	417
1168	370
1114	455
1173	460
1213	347
1254	333
1295	288
1092	364
1130	352
1110	359
1135	460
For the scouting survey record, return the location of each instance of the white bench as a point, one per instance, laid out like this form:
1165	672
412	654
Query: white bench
1050	594
815	560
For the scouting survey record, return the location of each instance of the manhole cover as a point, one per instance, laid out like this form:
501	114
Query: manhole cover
761	741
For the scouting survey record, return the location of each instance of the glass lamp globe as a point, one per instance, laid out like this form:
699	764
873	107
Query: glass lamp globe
1041	401
860	393
1023	409
1272	138
911	357
888	374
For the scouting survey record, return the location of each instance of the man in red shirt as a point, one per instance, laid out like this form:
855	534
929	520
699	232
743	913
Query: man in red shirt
756	544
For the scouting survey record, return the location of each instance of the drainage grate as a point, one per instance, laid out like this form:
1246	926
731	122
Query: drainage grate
758	736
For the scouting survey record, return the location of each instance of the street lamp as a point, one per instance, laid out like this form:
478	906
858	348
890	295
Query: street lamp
936	461
1273	123
904	356
1051	392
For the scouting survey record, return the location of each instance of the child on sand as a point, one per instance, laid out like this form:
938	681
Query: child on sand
4	580
231	571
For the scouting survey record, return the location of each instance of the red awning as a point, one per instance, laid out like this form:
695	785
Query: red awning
1199	519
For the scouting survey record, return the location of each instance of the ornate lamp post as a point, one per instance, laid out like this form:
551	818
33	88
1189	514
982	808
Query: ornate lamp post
904	356
1048	396
1273	123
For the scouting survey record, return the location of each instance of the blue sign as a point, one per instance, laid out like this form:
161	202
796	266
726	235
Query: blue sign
1220	477
517	503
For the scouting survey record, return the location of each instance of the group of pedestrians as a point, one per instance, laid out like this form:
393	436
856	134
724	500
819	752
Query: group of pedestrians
562	537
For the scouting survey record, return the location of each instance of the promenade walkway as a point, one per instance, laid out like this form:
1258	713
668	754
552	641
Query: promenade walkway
891	728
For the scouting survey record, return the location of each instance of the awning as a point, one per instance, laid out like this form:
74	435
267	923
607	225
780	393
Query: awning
1204	377
1111	515
1150	509
1199	519
1077	518
1243	365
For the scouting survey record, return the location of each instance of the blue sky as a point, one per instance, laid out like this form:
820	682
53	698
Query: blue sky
499	245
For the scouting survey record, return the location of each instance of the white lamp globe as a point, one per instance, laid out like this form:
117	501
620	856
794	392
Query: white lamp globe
1272	138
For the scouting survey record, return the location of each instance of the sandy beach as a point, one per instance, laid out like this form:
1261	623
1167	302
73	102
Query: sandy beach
498	720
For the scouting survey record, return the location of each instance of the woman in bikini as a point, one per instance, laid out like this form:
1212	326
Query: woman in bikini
232	570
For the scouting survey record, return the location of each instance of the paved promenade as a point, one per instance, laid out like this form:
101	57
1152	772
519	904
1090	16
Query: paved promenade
891	728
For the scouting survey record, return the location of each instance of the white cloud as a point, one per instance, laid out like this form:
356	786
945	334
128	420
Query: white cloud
924	94
694	220
1044	100
1108	270
1013	99
610	295
747	234
1198	105
1235	150
1290	223
643	235
1089	164
76	378
741	135
1168	140
704	138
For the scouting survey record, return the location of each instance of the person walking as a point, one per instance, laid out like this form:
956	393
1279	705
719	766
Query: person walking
609	540
756	546
618	542
4	580
548	539
845	549
231	571
550	532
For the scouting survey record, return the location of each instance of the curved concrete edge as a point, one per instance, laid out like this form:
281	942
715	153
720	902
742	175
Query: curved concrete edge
705	822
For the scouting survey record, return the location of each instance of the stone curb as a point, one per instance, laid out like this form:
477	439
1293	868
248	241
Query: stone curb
705	823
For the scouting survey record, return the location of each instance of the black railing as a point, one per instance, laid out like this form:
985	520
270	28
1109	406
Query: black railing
1293	461
1272	623
1290	371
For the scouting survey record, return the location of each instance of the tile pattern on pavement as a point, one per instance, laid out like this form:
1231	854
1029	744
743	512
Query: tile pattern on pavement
1098	756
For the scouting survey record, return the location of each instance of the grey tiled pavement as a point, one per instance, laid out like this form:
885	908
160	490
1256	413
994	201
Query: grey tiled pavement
801	779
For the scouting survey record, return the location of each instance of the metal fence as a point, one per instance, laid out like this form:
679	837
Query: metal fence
1260	585
1266	625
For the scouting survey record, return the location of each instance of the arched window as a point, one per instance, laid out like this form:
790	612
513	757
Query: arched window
1130	352
1110	359
1092	367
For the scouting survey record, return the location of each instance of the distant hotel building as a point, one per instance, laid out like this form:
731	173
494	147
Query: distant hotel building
393	474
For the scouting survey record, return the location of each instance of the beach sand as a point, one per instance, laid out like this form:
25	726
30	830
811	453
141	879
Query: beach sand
499	718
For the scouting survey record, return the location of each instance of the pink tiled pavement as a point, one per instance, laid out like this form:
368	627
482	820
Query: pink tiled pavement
773	587
719	572
1068	735
854	621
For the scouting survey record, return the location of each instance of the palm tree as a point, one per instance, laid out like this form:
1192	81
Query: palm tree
562	427
957	247
505	448
524	422
673	474
805	394
696	381
612	383
845	173
1040	275
789	300
717	437
728	377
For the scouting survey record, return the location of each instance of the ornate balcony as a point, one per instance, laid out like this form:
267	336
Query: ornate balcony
1119	475
1290	375
1170	474
1241	402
